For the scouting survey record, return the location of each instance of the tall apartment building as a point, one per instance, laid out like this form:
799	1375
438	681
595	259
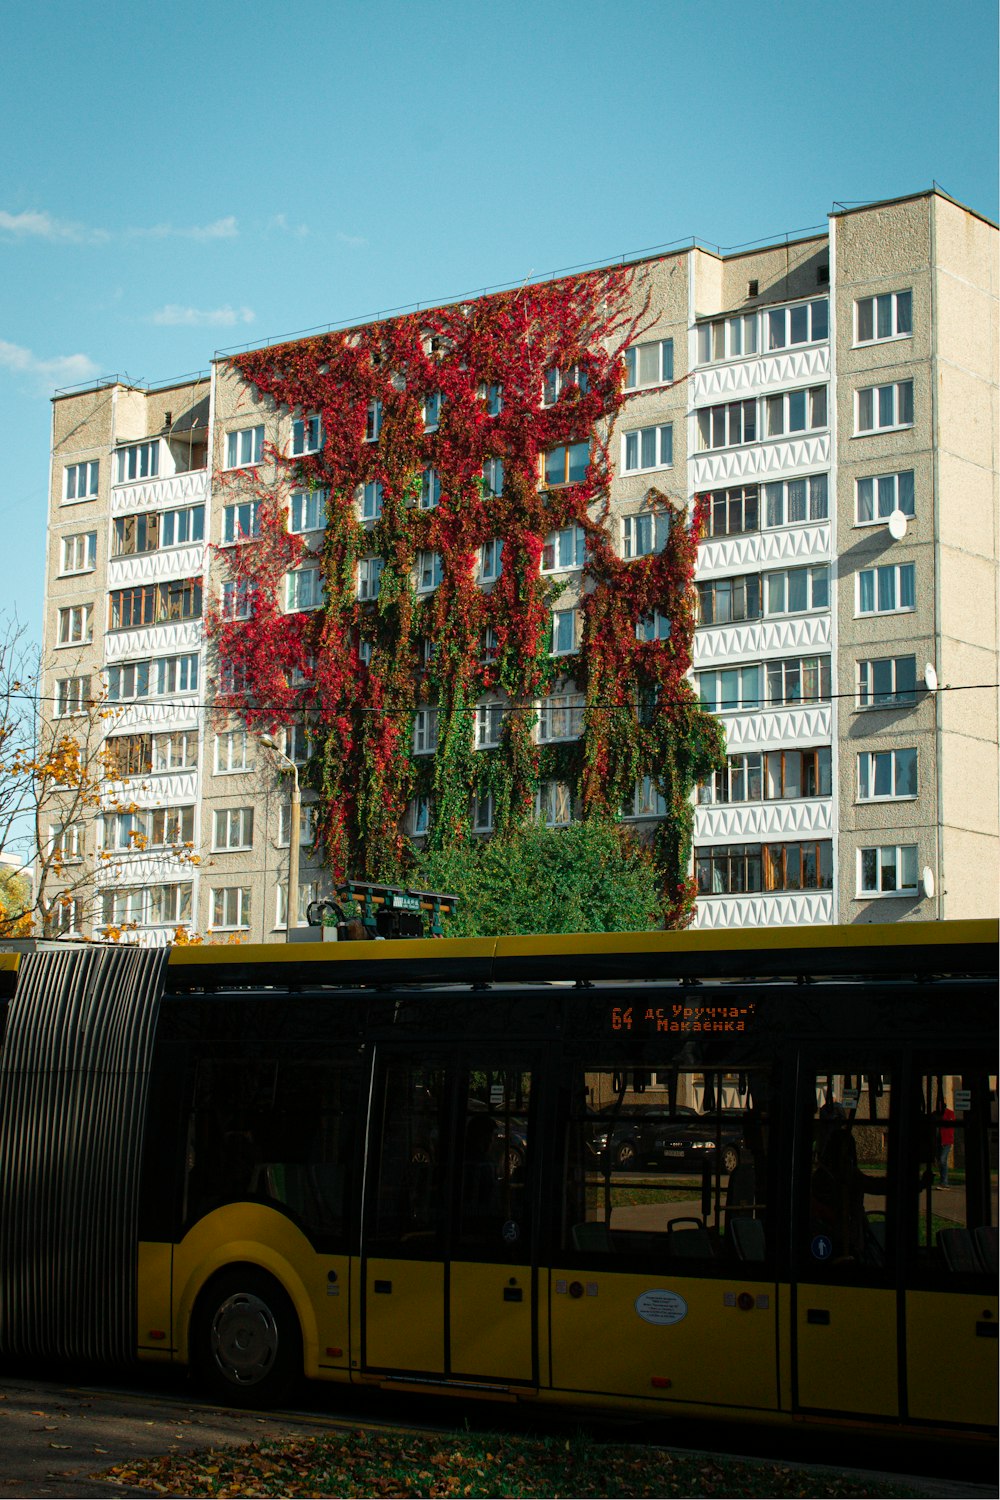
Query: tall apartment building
833	395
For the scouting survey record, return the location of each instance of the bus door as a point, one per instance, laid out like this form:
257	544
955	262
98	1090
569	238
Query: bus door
950	1242
663	1283
449	1286
845	1210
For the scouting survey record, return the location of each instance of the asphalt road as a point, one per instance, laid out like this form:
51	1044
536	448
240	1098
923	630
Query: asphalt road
56	1435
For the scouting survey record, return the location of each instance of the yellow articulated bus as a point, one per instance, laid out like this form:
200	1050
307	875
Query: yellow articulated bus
749	1175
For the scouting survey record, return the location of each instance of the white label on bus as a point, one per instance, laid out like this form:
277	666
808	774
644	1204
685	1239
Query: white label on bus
661	1307
850	1099
496	1093
963	1099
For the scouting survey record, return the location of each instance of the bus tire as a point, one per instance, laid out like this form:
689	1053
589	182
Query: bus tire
246	1344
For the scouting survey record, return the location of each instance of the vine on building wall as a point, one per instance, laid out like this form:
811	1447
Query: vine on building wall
429	407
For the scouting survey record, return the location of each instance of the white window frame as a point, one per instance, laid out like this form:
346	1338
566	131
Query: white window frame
639	440
431	408
898	855
66	842
369	577
493	475
224	919
868	767
430	490
371	500
655	626
726	418
560	717
554	804
565	449
645	533
872	396
304	590
491	395
232	752
646	801
78	553
491	560
72	696
137	461
780	581
881	494
429	569
183	665
187	519
747	678
308	893
76	625
185	740
296	742
779	411
565	632
232	829
659	353
564	551
245	447
489	645
233	530
307	435
237	599
557	378
425	731
482	812
373	421
791	334
734	337
812	491
308	812
83	480
419	817
307	511
896	697
881	302
129	681
490	715
897	573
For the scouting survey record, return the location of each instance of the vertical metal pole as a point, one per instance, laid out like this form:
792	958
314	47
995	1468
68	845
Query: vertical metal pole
292	913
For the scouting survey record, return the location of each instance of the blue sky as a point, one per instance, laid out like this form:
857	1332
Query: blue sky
183	178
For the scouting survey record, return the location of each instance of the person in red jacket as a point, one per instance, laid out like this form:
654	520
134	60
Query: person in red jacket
945	1141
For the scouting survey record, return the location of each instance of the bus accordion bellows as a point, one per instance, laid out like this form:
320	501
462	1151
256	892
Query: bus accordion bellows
750	1174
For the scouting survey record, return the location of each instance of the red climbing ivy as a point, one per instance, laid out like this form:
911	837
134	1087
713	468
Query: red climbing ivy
359	670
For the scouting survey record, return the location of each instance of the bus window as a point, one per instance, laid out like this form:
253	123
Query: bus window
493	1208
955	1231
410	1200
277	1130
671	1164
850	1196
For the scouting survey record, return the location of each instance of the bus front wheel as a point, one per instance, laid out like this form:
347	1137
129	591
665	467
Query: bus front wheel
246	1344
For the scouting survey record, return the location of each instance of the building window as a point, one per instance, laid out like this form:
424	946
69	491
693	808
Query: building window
307	436
805	866
371	500
67	917
564	549
493	476
419	815
425	731
567	464
155	604
430	570
727	338
186	524
796	411
880	494
304	590
66	842
741	869
233	828
489	724
649	364
734	512
488	645
887	775
887	316
430	489
802	323
795	591
648	448
645	533
724	600
308	893
645	800
148	829
176	750
886	590
133	535
653	627
560	717
799	679
432	410
556	381
176	674
128	682
79	552
880	407
127	755
72	696
244	447
137	461
307	510
232	752
788	502
771	775
888	870
887	682
554	804
231	907
483	809
728	869
80	481
76	625
369	577
240	522
307	823
730	690
373	421
490	560
238	600
727	426
563	632
492	396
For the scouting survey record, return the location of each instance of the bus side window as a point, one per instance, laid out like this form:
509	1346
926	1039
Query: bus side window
954	1233
410	1203
850	1192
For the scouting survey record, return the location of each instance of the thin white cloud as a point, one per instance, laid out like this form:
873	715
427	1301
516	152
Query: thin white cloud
219	229
356	241
35	224
173	315
280	222
65	369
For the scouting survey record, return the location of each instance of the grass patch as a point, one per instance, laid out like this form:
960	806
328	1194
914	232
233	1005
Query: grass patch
473	1465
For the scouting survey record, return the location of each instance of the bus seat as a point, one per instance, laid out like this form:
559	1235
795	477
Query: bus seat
986	1247
593	1235
959	1250
689	1243
748	1239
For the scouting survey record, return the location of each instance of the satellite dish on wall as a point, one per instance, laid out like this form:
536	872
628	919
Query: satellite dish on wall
897	525
930	678
927	880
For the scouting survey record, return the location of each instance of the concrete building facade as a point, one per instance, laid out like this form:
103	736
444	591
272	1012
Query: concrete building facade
835	398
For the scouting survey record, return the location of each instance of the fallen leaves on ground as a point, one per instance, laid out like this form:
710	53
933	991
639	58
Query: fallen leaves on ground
469	1466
